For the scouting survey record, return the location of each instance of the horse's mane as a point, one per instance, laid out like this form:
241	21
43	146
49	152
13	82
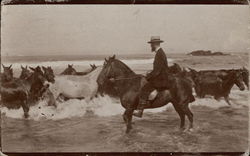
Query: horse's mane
124	66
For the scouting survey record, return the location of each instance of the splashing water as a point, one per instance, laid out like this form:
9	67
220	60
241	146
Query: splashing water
107	106
100	106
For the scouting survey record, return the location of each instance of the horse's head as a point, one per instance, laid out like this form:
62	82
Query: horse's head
49	74
7	73
25	73
37	74
193	74
38	83
188	75
245	76
69	71
113	69
107	71
238	79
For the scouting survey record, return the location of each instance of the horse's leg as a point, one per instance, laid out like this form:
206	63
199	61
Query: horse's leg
52	102
51	99
128	118
227	99
124	117
190	115
181	114
25	107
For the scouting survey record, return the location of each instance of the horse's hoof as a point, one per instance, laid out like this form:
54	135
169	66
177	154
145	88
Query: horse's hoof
26	115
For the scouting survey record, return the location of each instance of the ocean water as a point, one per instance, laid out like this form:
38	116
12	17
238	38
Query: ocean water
97	125
81	63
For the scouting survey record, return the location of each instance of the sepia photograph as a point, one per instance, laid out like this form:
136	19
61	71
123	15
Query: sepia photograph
125	78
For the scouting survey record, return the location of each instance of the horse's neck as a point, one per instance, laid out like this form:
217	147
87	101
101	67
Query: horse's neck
228	83
94	74
126	73
87	70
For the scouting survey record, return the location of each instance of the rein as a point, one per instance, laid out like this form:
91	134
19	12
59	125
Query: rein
129	78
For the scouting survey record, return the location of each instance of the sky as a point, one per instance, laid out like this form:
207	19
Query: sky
124	29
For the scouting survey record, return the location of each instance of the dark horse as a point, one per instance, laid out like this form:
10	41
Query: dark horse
49	74
71	71
109	88
211	84
222	73
129	84
23	92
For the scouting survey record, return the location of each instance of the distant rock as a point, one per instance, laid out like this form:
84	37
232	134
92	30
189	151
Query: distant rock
205	53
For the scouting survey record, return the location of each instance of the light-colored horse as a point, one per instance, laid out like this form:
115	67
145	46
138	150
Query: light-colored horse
76	87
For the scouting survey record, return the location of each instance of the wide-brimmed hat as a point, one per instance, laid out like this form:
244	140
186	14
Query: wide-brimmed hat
155	39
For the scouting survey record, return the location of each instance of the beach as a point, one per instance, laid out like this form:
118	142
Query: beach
97	125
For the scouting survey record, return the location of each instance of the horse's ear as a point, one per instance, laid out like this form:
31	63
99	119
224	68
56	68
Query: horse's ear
10	66
22	67
3	66
69	65
33	69
106	60
26	67
38	67
113	57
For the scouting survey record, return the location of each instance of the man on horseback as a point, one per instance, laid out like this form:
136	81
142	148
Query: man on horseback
157	79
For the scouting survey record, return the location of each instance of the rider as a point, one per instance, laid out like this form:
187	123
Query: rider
157	79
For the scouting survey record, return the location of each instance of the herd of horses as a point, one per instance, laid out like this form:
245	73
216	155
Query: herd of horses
116	79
